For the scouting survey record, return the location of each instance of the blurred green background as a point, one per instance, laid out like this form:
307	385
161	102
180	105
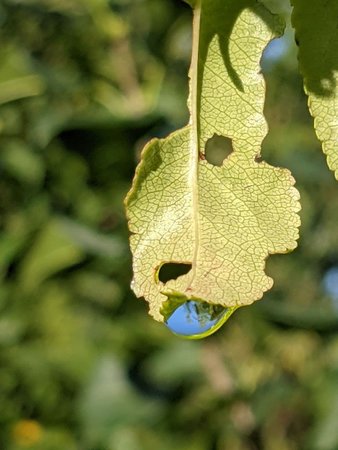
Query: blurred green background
83	85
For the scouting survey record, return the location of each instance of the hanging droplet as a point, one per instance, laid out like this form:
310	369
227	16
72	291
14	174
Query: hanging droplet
196	319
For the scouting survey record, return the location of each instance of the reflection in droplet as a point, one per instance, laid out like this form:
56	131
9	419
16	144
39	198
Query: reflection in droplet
196	319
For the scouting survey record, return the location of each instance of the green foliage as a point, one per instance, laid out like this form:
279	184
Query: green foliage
318	60
81	364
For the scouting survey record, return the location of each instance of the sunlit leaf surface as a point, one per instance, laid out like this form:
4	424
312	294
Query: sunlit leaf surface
221	222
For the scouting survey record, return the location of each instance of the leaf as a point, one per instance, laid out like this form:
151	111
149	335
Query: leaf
316	25
52	252
221	222
110	400
92	241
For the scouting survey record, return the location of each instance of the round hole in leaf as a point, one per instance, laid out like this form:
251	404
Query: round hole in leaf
217	149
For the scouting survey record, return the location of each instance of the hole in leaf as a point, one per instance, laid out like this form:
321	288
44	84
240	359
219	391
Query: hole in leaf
217	149
171	271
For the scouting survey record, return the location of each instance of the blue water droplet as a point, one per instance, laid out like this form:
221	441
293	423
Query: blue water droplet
196	319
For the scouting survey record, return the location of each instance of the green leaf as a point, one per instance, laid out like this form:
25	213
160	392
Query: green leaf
54	250
316	25
222	221
110	400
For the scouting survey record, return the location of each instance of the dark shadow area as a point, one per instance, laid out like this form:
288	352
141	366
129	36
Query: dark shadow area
217	149
222	25
316	27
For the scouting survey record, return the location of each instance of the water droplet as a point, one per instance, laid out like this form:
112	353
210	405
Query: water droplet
196	319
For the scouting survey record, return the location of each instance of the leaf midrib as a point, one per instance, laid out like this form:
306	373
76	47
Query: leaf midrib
194	135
